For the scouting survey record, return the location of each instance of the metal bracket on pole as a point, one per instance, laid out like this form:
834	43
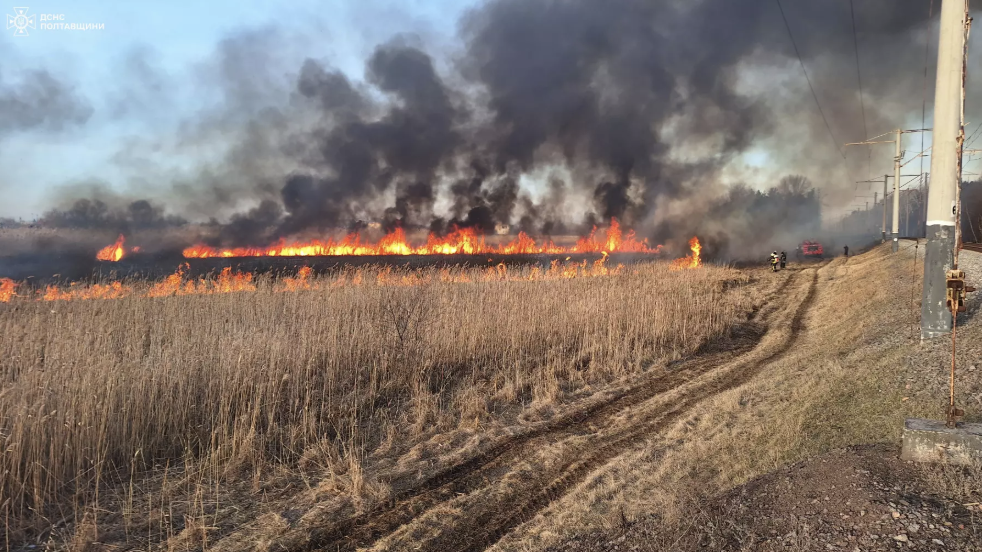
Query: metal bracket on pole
955	290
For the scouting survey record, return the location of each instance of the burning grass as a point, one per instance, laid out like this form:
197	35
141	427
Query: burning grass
113	251
103	401
229	281
460	241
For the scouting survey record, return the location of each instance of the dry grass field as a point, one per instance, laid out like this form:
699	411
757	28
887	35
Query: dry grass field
166	422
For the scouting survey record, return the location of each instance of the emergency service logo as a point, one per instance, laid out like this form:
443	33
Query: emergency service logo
20	22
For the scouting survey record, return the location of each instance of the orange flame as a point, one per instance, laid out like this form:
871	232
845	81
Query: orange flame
113	252
171	284
7	289
225	282
300	282
113	290
229	282
460	241
696	248
689	261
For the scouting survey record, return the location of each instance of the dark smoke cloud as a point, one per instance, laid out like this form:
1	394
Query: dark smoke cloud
143	89
94	205
364	150
240	134
36	100
332	91
644	105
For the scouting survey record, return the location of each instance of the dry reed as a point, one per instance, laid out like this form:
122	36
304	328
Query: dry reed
95	394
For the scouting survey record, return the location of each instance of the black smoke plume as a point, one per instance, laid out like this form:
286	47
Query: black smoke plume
38	101
643	105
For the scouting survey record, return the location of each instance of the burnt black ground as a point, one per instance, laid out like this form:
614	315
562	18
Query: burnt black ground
43	269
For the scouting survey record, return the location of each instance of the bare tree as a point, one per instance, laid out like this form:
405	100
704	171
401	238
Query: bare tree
794	184
407	313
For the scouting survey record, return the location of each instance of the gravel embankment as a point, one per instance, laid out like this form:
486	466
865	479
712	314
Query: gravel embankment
927	370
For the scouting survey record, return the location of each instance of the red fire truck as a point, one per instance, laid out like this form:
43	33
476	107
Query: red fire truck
811	249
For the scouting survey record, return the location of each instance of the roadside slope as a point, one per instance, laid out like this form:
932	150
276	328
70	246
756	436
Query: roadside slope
853	374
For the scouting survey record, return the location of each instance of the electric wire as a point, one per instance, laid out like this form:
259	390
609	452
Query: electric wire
973	137
807	78
905	185
859	80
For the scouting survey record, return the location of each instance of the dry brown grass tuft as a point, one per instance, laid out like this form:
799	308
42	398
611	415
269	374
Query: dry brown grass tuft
844	382
961	483
152	404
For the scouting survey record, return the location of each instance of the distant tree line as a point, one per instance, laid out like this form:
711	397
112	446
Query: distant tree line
913	213
869	221
792	203
92	214
744	221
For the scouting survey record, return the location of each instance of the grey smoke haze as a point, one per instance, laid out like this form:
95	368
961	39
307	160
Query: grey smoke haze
36	100
644	104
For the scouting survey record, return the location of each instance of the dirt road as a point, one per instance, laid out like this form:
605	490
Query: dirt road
472	505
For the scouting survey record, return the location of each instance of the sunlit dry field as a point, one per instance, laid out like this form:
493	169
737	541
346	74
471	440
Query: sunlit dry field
103	399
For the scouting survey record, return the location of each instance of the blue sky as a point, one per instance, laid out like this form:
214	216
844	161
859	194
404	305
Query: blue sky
178	36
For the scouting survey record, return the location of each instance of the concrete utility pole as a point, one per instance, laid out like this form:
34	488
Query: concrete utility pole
874	200
896	193
883	233
884	209
898	155
942	201
925	186
907	215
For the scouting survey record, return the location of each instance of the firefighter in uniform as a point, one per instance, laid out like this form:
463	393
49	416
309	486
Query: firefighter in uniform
784	259
774	261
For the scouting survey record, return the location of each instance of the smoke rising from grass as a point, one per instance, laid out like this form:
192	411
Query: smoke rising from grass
39	101
647	106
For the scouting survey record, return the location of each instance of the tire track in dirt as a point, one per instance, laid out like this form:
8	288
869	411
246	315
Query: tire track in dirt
467	476
581	469
489	522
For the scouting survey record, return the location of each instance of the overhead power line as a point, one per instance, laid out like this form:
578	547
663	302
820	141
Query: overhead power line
810	87
973	137
859	79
